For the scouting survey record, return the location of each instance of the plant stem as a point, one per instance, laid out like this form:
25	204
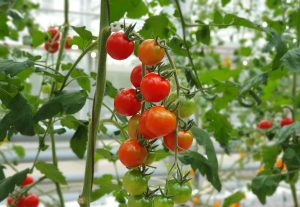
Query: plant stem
85	197
294	194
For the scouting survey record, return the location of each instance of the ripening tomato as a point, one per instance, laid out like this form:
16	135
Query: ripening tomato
126	102
67	44
264	124
31	200
135	183
217	203
51	47
187	108
133	126
142	126
136	75
154	88
161	201
150	53
286	121
160	121
181	192
54	33
139	201
132	154
185	141
118	46
235	205
27	181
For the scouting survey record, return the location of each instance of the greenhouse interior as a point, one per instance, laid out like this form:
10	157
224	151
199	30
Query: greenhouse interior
149	103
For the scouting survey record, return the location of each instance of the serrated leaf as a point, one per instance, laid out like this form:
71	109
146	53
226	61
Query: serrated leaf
13	68
233	198
291	60
79	140
51	172
8	184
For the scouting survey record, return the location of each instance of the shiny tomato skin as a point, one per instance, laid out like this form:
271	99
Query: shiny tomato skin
286	121
143	128
150	53
118	46
51	48
154	88
54	33
67	44
181	192
185	141
27	181
126	102
136	75
133	126
139	201
132	154
160	201
135	183
264	124
160	121
31	200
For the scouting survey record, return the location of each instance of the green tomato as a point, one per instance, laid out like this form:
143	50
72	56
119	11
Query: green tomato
161	201
46	88
150	158
181	192
135	183
139	201
187	108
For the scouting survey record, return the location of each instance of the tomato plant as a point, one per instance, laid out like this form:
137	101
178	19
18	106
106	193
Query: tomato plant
181	192
135	183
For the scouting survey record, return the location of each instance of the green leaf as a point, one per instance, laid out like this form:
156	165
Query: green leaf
245	51
19	150
65	103
4	51
237	21
13	68
157	26
2	175
84	33
220	126
107	184
203	34
82	79
225	2
265	185
208	77
233	198
84	39
51	172
37	37
286	132
269	155
110	90
291	60
70	121
177	46
254	82
8	184
133	8
4	30
105	153
291	158
79	140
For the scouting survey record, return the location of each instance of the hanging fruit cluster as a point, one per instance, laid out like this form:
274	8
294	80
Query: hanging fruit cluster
21	199
52	44
154	115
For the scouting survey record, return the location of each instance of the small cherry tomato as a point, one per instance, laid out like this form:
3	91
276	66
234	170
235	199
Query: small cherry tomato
51	47
54	33
133	126
235	205
286	121
181	192
186	108
27	181
160	201
67	44
136	75
126	102
150	53
264	124
18	203
31	200
142	126
217	203
154	88
135	183
160	121
118	46
139	201
185	141
132	154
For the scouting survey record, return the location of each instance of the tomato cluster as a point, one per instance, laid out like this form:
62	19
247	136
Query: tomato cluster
151	119
52	44
28	200
266	124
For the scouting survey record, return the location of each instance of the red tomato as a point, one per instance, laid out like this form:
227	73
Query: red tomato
264	124
133	125
150	53
55	35
67	44
136	75
19	203
142	126
126	102
286	121
132	154
160	121
51	48
118	46
154	88
31	201
28	180
185	141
